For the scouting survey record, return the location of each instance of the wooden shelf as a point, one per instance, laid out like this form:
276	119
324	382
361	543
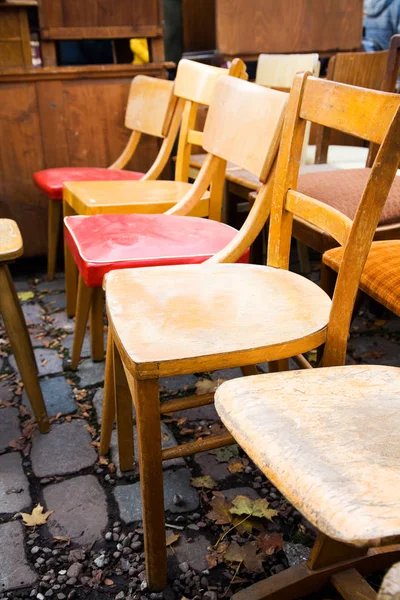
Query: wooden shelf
19	3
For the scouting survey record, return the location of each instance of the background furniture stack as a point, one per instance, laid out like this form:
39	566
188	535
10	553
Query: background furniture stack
54	116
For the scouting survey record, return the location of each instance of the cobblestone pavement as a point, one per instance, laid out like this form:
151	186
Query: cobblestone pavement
92	543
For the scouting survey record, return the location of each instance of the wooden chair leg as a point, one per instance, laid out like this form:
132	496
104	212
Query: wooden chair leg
19	339
83	305
146	397
108	412
53	234
275	366
71	271
249	370
123	409
97	326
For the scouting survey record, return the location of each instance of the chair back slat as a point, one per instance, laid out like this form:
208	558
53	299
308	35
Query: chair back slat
370	114
357	111
151	105
244	124
278	70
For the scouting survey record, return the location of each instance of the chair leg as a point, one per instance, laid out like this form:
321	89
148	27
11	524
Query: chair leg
71	271
249	370
84	301
146	397
97	326
123	409
108	413
19	339
53	234
275	366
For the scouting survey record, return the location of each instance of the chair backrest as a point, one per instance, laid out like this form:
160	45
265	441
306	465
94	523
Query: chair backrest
278	70
194	86
370	115
243	125
150	107
361	69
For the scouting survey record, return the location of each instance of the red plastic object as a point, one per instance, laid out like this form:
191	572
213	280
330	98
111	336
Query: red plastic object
103	243
51	181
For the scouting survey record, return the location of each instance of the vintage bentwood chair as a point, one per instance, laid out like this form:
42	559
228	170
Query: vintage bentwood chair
11	247
328	440
186	319
150	110
193	86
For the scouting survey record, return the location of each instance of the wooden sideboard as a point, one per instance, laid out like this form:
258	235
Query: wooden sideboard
65	116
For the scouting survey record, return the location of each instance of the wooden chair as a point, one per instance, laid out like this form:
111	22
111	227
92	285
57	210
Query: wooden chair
11	247
193	87
150	110
185	319
341	189
102	243
327	439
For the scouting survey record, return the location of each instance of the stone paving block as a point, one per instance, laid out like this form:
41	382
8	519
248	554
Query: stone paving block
33	313
167	441
14	487
209	465
6	394
57	285
47	361
375	350
226	374
22	285
80	509
175	482
64	450
193	552
40	341
182	383
58	396
9	427
98	404
61	321
68	341
199	413
54	302
240	491
15	572
90	373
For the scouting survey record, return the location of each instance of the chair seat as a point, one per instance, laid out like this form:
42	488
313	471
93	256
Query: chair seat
342	189
11	245
381	275
328	440
166	318
158	196
102	243
51	181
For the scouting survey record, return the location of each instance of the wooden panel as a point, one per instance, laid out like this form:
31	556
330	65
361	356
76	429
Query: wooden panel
255	26
198	21
15	47
58	14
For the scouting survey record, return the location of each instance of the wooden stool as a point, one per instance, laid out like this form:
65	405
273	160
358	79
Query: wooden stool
11	247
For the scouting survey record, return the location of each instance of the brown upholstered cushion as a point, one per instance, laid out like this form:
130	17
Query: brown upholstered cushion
342	190
381	275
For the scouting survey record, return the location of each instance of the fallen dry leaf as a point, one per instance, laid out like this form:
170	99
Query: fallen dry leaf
37	516
247	554
216	555
220	512
203	482
226	454
270	542
236	466
243	505
205	386
171	538
25	296
62	539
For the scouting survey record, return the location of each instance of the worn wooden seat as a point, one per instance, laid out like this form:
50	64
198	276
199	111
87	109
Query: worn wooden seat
11	247
152	110
327	439
121	197
380	278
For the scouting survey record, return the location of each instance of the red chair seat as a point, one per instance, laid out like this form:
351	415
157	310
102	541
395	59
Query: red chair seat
102	243
51	181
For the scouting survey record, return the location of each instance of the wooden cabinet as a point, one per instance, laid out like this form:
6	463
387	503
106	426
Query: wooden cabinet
250	27
61	117
198	23
15	49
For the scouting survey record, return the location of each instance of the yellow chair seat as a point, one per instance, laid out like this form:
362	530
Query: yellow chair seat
127	197
11	245
328	440
165	318
381	275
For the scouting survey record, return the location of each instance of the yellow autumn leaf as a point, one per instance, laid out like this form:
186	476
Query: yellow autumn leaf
171	538
205	481
25	296
37	517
